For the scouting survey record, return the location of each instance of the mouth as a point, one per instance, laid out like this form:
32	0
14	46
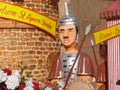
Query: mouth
66	41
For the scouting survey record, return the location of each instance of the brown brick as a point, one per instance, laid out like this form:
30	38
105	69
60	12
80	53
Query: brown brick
31	29
8	30
27	48
10	53
19	58
34	39
0	53
25	63
19	48
14	43
21	34
12	38
11	48
32	62
22	43
2	48
24	52
17	67
39	52
35	48
4	34
36	34
30	5
35	72
1	30
29	34
30	43
22	25
42	48
12	34
38	43
46	52
24	38
31	67
46	44
6	43
31	52
7	24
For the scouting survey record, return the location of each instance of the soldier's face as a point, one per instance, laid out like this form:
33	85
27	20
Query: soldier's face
67	35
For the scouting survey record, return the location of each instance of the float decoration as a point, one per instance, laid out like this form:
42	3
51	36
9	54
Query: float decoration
14	80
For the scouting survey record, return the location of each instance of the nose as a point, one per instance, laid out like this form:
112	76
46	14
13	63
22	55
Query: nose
66	33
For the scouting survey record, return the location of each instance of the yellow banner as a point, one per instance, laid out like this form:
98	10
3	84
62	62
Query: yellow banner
14	12
108	33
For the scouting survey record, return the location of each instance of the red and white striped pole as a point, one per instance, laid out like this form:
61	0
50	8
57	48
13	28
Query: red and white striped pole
113	58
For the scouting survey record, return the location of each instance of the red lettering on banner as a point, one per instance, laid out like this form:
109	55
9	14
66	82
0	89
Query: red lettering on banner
32	19
22	14
117	31
6	11
104	36
48	25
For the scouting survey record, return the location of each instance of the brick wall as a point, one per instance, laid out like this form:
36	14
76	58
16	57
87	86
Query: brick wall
25	46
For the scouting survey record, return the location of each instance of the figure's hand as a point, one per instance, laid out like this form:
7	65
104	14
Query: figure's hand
87	29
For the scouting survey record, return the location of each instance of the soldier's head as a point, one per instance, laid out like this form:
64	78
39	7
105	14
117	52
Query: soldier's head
68	28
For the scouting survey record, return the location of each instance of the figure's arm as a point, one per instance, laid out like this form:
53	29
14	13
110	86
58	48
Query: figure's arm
54	75
85	68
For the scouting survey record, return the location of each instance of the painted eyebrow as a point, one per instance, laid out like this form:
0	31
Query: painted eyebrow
64	29
61	29
70	28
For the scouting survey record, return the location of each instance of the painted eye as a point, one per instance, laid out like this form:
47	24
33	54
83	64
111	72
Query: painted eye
61	31
71	29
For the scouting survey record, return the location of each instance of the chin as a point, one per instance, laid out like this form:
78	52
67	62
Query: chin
67	46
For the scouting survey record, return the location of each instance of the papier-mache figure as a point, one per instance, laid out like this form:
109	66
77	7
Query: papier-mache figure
81	75
101	77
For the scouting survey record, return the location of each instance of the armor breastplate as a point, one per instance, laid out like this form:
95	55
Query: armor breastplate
67	61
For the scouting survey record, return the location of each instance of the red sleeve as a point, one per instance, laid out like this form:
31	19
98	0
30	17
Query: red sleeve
55	69
85	66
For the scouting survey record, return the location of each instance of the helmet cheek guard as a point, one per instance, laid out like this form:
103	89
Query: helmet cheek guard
77	29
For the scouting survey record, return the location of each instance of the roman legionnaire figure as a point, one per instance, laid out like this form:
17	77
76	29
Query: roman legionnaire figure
68	31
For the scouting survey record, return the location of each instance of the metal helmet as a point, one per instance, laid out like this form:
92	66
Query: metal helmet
67	18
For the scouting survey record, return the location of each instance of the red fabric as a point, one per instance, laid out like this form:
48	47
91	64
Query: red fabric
36	85
114	6
8	71
4	86
20	87
55	69
112	11
85	66
101	73
48	84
